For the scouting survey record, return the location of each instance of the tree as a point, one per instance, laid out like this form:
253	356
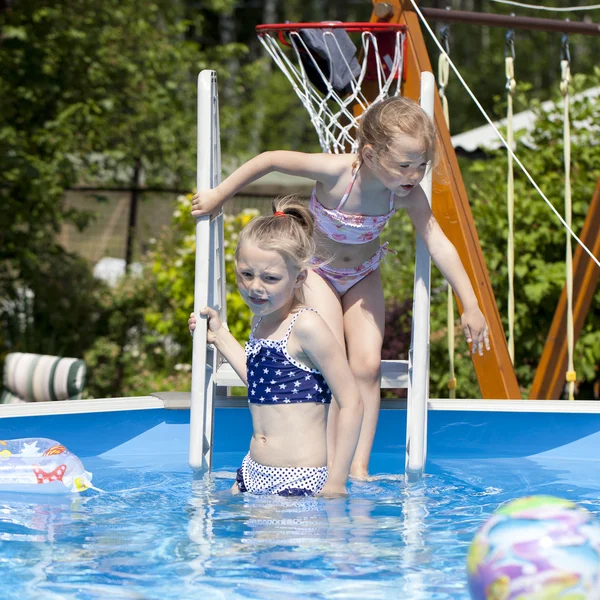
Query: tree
478	52
539	245
87	90
539	237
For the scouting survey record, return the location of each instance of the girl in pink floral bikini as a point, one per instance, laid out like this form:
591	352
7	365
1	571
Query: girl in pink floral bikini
348	228
354	197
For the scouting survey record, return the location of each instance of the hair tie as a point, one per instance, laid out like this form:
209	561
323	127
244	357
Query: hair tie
279	213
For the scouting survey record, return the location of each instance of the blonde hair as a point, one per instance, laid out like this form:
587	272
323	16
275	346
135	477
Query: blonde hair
385	120
289	231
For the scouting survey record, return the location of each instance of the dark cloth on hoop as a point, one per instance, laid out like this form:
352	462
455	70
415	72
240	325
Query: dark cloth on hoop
333	51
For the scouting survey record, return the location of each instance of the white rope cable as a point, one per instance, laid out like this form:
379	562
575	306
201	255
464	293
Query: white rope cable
511	85
571	376
504	142
443	76
548	8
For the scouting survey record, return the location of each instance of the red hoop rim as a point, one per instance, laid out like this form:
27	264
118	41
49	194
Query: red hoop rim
352	27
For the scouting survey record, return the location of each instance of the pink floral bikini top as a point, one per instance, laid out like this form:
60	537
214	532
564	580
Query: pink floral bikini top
345	227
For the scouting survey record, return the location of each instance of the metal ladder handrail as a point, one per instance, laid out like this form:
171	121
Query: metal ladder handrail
209	370
209	281
418	389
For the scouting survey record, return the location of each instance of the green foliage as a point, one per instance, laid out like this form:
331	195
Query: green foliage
79	100
478	53
398	279
539	237
144	345
87	92
159	303
172	263
55	312
539	246
90	90
129	357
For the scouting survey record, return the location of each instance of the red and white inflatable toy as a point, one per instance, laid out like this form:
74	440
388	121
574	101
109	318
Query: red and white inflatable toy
40	466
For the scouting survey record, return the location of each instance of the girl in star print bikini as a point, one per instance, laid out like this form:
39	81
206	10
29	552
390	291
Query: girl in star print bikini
292	364
353	198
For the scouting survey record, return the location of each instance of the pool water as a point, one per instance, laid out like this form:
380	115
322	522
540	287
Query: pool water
155	533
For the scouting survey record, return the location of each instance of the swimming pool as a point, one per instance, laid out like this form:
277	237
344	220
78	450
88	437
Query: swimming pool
154	532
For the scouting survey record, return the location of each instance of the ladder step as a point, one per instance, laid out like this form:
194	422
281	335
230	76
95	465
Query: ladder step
226	376
394	374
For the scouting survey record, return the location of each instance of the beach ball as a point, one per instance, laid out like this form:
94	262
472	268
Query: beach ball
534	548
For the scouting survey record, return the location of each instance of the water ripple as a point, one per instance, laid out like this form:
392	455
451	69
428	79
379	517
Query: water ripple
163	535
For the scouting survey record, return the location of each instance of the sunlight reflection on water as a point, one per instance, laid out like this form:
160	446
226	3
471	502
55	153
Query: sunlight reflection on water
163	535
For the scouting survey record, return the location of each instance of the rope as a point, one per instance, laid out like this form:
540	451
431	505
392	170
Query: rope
443	76
511	85
570	376
548	8
501	138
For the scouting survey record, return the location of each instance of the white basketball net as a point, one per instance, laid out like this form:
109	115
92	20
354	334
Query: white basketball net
332	115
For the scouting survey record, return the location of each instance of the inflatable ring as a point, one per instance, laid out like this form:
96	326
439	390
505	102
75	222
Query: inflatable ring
40	466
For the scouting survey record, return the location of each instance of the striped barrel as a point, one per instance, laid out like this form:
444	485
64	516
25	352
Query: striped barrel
41	378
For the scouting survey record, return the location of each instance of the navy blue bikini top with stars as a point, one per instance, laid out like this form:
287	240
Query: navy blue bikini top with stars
274	377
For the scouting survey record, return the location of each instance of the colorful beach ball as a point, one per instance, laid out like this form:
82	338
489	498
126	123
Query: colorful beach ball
536	548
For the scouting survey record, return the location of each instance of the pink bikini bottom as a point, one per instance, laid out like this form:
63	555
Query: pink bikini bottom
343	279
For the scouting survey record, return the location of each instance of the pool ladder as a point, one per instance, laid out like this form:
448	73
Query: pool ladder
212	376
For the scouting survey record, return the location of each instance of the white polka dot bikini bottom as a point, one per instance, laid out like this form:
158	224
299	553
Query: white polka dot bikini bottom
255	478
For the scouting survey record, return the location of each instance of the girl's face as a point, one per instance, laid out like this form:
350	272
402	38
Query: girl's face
401	168
266	281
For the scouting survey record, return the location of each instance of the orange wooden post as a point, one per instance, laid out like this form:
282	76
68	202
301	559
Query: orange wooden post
495	372
549	380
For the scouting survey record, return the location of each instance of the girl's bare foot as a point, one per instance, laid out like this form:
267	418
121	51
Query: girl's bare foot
360	473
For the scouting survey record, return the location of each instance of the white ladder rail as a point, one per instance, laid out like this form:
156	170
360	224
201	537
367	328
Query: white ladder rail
216	281
208	284
210	371
418	389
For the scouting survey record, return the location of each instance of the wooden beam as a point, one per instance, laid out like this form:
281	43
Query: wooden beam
494	369
549	380
510	21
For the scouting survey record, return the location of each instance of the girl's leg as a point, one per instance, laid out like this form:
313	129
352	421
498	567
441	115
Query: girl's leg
321	295
364	323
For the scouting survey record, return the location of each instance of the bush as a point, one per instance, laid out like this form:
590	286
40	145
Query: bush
143	344
539	247
50	305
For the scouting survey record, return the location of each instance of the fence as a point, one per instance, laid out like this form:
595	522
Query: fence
124	218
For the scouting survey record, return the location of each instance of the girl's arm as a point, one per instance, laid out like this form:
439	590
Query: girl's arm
319	167
445	256
223	340
321	347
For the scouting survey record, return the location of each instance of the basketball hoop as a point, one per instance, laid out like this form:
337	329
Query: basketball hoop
329	78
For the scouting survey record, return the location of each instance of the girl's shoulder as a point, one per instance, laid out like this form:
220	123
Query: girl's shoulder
305	311
340	168
336	163
344	163
307	322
